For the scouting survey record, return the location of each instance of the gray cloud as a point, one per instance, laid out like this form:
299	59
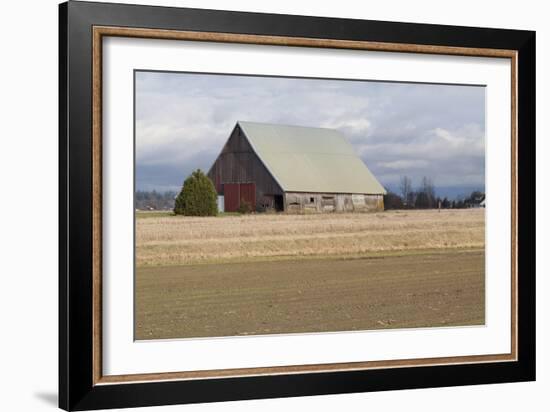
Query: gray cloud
183	120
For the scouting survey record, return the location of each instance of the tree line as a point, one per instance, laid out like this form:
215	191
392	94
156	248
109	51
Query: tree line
424	197
153	200
406	197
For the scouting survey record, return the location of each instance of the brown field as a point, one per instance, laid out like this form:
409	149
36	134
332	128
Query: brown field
267	274
422	290
176	240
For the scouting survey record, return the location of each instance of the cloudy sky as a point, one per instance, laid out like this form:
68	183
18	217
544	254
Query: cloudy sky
183	120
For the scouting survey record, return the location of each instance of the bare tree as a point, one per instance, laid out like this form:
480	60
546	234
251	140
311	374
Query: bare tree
405	186
426	194
428	186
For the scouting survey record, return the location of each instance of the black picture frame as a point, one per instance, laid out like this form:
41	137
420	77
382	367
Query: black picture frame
77	390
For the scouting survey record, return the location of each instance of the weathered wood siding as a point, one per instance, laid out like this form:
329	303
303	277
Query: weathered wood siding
300	202
238	163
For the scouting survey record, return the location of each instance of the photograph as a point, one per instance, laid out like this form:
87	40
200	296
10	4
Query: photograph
272	205
261	204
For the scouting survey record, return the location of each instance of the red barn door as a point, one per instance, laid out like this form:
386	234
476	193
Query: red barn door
248	194
235	193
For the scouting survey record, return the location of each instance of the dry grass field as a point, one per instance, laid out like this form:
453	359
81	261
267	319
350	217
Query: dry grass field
265	274
176	240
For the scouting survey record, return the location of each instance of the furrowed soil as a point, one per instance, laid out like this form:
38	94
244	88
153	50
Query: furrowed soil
442	287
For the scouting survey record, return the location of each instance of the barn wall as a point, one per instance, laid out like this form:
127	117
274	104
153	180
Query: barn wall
300	202
237	163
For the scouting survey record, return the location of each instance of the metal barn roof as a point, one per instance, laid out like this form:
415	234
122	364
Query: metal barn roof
308	159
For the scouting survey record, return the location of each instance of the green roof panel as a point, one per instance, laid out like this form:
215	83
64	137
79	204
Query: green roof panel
308	159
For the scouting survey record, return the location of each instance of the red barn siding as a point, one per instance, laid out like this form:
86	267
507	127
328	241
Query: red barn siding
236	193
231	197
248	194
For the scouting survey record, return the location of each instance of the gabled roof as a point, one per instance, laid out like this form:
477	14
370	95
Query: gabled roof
308	159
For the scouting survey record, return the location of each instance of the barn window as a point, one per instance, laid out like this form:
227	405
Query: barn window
311	199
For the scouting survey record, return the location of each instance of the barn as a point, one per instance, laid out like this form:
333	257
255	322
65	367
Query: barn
293	169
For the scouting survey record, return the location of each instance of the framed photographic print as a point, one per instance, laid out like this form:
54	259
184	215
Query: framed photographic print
256	205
